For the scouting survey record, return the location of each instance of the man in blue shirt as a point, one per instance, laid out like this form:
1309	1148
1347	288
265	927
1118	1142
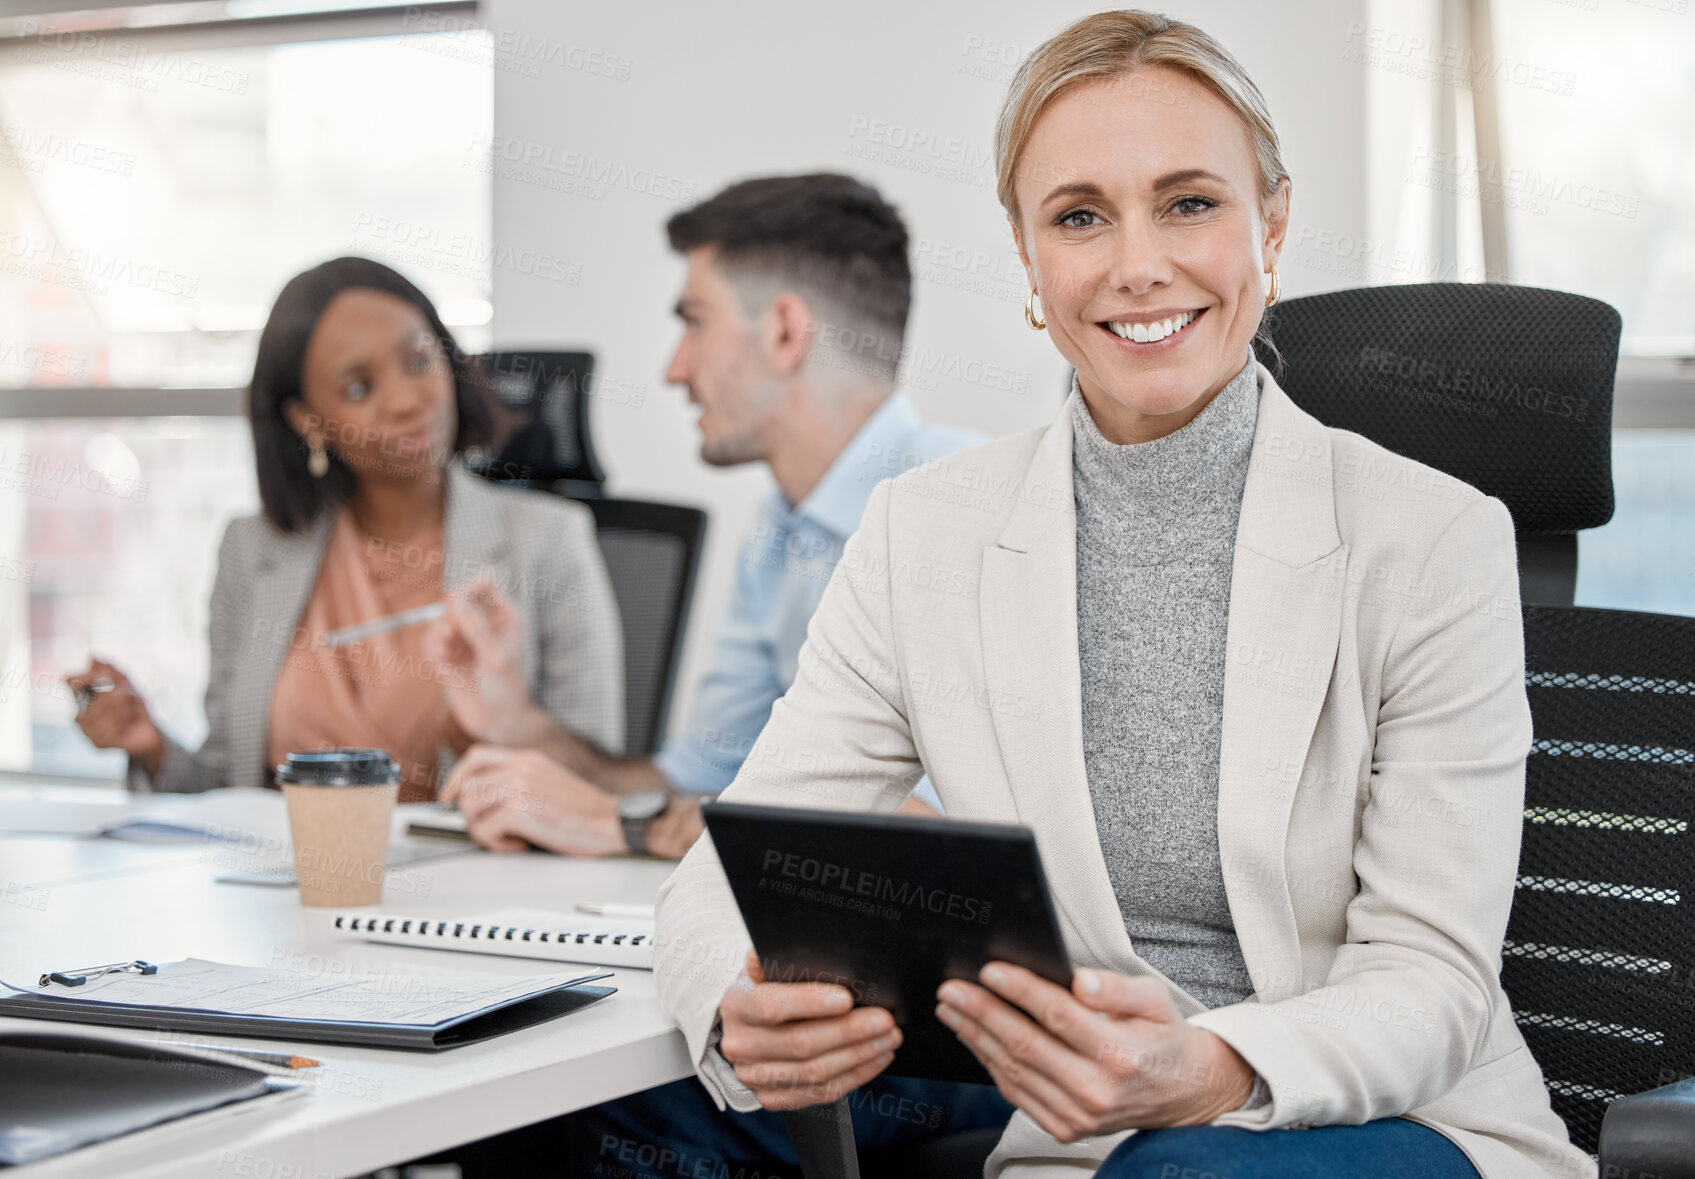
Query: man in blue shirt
794	311
787	559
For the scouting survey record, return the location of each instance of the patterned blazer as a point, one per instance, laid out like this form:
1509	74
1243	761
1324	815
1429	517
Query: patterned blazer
539	549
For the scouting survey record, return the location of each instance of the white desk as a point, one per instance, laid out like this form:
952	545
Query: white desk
72	902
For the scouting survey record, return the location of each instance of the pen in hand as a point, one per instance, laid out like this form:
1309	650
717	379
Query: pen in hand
85	695
382	626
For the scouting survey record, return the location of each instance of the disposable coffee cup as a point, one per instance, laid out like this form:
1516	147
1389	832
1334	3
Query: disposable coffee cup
339	804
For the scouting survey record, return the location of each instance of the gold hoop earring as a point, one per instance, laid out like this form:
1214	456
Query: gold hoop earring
317	459
1276	289
1030	312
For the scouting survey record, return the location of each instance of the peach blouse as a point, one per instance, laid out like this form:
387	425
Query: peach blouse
380	691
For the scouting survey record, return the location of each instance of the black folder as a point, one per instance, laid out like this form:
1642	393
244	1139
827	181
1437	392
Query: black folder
495	1020
890	907
60	1092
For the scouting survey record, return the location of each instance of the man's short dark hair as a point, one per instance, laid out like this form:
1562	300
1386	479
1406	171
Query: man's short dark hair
830	238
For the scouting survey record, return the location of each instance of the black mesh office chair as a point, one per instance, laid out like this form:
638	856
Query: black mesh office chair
548	395
652	550
1507	388
1510	389
1599	959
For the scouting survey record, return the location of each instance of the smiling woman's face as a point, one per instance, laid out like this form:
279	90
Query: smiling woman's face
1140	215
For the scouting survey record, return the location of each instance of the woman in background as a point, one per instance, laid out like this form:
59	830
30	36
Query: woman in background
360	405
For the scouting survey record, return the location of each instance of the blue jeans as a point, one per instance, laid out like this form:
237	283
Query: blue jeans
675	1130
1389	1148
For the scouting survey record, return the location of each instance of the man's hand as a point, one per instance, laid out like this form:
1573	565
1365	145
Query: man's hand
118	719
479	644
1112	1053
515	798
800	1044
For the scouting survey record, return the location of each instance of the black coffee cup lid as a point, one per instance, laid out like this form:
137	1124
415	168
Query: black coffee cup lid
339	767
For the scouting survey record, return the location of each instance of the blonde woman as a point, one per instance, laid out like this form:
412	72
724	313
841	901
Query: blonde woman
1271	745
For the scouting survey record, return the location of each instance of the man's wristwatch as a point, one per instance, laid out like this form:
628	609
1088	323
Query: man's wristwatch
637	812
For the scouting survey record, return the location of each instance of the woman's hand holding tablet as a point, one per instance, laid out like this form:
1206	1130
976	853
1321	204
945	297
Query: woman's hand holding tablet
1078	1074
801	1044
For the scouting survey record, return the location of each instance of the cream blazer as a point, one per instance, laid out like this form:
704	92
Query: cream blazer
1371	779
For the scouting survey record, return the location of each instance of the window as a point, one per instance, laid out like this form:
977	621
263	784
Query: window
1541	142
162	199
119	524
1597	162
1644	558
1552	143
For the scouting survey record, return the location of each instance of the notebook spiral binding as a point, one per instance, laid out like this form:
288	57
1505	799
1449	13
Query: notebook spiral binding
486	932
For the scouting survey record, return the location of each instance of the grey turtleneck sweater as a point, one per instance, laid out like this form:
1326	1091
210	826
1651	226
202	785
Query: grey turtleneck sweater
1156	532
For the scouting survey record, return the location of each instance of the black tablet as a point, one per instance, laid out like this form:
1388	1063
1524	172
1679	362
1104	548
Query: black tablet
889	907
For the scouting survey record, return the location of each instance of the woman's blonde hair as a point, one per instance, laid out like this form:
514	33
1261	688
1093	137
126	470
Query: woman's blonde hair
1110	45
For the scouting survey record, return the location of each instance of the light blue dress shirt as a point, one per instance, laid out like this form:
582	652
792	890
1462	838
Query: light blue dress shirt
785	564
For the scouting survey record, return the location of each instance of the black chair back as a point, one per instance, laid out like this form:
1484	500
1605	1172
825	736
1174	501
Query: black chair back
652	552
1599	959
548	394
1508	388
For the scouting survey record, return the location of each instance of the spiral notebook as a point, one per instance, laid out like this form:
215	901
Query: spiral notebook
520	933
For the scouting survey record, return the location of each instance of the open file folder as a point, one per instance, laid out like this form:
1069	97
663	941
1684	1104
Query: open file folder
374	1006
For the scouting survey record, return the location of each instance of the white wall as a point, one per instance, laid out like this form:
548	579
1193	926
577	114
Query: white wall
630	111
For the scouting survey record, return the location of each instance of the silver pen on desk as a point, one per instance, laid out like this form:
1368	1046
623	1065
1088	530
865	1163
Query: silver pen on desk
612	909
382	626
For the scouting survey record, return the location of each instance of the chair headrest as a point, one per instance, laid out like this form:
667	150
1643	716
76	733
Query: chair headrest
1508	388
